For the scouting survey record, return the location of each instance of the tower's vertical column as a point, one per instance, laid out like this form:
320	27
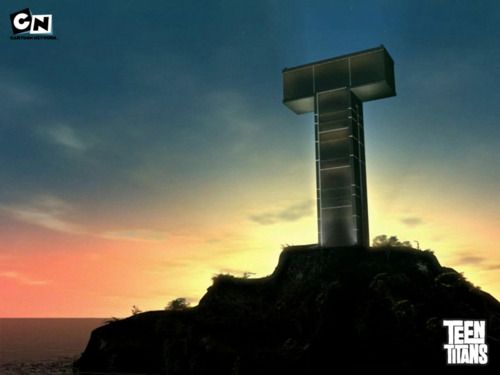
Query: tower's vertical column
340	169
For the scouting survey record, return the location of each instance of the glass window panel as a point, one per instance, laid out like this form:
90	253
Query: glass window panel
331	75
336	178
298	83
337	192
333	101
337	226
336	135
337	115
372	75
334	150
333	125
336	197
367	68
335	163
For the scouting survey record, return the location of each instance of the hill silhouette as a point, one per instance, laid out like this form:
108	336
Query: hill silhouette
322	311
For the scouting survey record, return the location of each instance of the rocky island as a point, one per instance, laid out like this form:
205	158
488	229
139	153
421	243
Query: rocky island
322	311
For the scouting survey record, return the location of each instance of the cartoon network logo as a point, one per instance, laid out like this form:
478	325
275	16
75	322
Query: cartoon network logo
26	25
466	342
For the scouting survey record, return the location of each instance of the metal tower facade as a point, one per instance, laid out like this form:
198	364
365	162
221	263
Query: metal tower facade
335	90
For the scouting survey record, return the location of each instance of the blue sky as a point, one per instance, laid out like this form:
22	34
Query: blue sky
124	78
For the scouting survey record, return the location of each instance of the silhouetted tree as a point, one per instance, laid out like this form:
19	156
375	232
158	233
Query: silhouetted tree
178	304
135	310
383	240
222	277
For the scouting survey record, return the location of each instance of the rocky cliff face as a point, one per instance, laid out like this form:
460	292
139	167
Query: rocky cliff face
322	311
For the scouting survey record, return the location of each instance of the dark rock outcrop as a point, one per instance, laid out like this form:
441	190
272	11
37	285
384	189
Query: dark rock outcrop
322	311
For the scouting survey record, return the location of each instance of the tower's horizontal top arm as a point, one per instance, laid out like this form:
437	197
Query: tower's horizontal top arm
369	74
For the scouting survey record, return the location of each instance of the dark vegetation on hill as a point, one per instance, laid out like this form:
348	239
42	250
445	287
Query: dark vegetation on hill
322	311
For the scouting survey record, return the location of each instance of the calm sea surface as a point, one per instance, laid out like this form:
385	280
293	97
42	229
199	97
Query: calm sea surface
44	340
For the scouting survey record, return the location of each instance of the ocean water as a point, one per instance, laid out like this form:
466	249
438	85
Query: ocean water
43	346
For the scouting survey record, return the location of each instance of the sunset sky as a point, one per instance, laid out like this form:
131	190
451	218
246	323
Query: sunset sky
147	148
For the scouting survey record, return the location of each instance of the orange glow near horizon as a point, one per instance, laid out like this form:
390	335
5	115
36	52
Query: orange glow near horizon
46	273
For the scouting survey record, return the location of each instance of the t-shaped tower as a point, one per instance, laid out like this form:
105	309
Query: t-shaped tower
335	90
